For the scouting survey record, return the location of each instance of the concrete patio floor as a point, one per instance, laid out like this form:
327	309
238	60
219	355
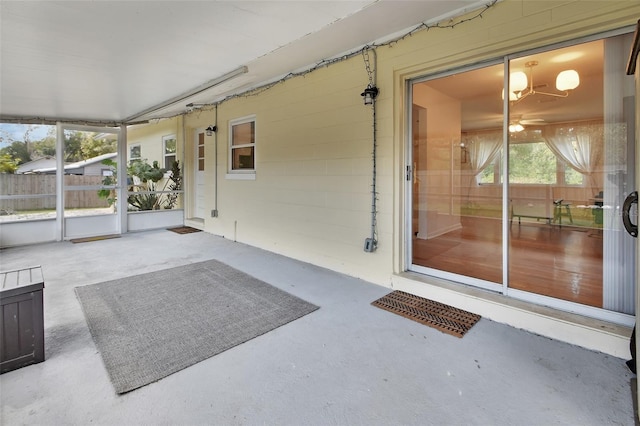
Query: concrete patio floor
347	363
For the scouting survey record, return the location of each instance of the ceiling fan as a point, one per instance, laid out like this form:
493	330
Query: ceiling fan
517	124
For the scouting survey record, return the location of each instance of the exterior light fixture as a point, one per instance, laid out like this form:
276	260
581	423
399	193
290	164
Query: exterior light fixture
369	94
211	130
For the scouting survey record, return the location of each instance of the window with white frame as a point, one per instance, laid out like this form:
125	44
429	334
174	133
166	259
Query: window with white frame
169	150
135	152
242	141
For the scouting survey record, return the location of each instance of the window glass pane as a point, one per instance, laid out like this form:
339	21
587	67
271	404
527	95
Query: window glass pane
532	162
568	180
170	146
242	159
572	176
134	152
457	137
243	134
168	161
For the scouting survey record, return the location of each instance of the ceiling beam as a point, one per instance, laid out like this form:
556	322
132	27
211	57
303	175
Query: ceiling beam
181	98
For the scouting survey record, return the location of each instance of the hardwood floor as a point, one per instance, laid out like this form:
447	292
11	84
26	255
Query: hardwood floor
562	262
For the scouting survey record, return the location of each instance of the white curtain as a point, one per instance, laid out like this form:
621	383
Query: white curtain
580	147
482	150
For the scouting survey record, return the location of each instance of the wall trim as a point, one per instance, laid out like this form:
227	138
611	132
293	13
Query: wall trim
589	333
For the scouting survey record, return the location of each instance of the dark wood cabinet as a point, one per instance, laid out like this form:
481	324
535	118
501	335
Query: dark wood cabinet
21	318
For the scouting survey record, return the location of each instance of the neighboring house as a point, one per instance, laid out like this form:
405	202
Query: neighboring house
291	169
40	163
90	167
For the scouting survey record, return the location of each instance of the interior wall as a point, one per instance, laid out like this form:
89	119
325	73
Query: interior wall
434	167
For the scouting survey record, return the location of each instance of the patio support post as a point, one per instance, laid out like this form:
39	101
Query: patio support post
59	182
121	184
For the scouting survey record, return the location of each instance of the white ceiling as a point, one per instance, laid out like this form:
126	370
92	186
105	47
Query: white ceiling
110	61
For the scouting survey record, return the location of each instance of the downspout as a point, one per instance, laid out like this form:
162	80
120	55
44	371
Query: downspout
215	167
370	94
183	118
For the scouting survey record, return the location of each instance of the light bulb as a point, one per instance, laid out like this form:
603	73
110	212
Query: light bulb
517	81
567	80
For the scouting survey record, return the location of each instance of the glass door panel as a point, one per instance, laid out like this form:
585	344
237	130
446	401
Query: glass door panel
90	182
570	134
456	191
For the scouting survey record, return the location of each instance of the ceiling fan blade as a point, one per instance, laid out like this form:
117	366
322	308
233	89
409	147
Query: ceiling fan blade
532	121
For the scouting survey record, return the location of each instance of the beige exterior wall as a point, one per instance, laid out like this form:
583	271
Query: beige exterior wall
149	137
311	197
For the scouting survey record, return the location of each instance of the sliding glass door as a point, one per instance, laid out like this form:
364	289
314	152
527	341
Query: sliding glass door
456	219
543	189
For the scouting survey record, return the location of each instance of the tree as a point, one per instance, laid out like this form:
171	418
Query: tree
44	148
73	146
17	151
91	147
532	163
8	164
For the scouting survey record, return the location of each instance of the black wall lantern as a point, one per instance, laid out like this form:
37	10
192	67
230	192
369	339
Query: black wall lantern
211	129
369	94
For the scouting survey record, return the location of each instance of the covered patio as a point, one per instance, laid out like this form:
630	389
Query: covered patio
347	363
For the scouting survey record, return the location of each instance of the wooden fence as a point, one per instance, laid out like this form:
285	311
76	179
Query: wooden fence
41	190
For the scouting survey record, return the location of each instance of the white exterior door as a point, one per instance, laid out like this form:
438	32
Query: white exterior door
199	192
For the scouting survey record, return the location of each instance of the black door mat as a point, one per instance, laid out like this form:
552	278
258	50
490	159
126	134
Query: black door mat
184	230
443	317
96	238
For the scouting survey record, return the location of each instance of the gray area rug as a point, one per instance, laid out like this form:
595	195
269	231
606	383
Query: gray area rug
149	326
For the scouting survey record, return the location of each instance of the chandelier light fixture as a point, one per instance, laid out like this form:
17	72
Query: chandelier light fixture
521	86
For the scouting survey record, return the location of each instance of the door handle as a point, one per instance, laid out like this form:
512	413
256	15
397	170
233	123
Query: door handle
626	208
